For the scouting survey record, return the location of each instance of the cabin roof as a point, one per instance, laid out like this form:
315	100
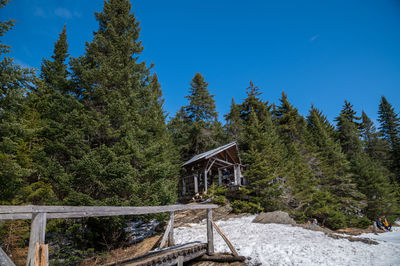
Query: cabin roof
208	154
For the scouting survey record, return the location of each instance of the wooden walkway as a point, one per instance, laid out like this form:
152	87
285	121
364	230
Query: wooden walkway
176	255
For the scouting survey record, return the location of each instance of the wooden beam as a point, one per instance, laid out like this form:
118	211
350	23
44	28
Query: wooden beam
4	259
210	238
235	253
180	261
219	177
236	174
37	236
183	187
196	184
17	216
6	210
230	156
166	234
223	162
44	258
208	169
205	180
171	241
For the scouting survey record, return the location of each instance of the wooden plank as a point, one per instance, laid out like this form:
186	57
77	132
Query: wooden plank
236	175
17	216
171	241
235	253
44	260
167	256
226	163
37	235
230	156
180	261
205	180
208	169
7	209
210	238
4	259
166	234
183	187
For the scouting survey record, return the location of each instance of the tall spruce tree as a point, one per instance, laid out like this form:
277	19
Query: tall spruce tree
348	130
195	127
18	127
265	155
291	124
234	124
253	103
334	174
376	147
62	138
390	128
130	159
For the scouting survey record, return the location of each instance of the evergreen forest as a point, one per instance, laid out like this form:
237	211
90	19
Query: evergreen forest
91	130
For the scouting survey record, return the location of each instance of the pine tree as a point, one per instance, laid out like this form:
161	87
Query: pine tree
4	27
55	72
17	135
348	130
390	128
266	158
376	147
334	173
201	106
130	159
61	136
234	124
291	124
253	103
195	128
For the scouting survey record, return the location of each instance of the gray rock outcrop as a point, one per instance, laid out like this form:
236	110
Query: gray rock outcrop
277	217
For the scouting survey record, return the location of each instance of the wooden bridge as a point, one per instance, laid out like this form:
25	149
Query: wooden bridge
38	250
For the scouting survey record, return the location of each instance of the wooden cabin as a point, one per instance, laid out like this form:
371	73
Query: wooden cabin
220	165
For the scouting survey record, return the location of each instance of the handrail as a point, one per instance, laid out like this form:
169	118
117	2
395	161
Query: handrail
39	215
10	209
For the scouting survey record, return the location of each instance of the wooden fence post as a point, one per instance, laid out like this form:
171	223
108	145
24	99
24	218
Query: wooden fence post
210	238
171	231
37	236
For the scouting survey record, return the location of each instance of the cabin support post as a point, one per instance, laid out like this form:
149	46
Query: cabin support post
37	237
236	172
196	184
183	187
205	180
210	238
219	177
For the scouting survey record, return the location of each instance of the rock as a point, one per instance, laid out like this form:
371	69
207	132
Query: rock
277	217
138	230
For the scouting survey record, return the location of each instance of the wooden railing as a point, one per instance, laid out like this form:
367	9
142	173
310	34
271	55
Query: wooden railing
38	251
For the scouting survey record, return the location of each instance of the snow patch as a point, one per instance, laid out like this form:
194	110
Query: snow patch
278	244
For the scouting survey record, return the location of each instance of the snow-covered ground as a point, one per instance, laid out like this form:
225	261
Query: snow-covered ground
276	244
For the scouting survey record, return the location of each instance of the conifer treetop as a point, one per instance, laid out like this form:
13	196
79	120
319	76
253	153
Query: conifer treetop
201	103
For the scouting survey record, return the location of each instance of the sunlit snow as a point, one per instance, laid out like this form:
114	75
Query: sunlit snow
277	244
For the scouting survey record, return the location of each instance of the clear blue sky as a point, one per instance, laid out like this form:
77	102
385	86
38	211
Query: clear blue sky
319	52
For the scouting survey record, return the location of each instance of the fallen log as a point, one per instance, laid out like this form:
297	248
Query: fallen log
222	258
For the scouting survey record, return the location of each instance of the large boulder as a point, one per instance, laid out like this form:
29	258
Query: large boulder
276	217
